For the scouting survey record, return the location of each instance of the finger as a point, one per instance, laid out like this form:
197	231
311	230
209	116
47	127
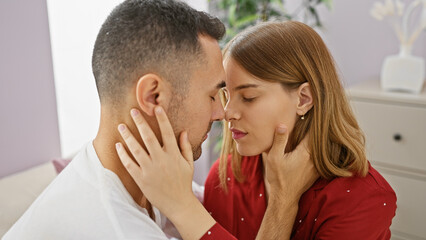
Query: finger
167	133
186	148
133	169
280	141
147	135
133	145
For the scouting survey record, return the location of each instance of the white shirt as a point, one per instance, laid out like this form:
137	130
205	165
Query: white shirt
87	201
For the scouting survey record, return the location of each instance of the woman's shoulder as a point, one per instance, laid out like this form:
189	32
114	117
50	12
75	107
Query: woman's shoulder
336	206
373	182
369	192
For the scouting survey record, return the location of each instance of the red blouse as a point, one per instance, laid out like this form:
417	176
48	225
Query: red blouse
217	232
343	208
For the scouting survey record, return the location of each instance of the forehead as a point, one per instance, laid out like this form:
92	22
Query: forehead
237	75
210	72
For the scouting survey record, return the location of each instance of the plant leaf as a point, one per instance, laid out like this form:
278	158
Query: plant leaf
231	15
328	4
247	20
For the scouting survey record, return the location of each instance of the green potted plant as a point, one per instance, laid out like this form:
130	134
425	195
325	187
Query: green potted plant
239	14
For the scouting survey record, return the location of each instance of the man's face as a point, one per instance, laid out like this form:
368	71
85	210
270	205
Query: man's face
201	106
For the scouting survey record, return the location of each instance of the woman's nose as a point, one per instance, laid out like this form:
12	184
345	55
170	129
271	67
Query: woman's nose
231	113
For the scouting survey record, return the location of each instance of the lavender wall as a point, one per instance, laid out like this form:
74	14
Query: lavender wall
358	42
28	120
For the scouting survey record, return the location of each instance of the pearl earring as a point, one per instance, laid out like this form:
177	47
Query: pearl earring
303	117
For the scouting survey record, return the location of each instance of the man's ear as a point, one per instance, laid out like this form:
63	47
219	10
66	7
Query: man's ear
305	97
150	91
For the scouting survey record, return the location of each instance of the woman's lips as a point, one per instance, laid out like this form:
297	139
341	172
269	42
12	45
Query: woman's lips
237	134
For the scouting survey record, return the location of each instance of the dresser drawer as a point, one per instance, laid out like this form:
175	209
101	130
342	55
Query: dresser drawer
395	134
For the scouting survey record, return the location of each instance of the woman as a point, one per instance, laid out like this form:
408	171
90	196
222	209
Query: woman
283	73
294	80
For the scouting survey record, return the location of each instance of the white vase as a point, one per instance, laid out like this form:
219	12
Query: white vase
403	72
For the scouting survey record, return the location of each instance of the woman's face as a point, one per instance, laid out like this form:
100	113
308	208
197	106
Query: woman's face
255	108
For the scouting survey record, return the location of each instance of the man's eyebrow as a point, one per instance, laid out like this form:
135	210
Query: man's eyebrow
221	85
245	86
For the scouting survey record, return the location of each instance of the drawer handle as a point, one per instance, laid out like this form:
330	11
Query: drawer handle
397	137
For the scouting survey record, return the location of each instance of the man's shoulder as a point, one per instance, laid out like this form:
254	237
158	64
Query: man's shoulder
64	205
72	208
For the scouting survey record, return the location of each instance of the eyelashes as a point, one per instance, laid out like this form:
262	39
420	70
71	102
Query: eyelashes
248	100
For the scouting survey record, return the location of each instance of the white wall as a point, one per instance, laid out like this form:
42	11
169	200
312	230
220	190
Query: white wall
73	29
200	5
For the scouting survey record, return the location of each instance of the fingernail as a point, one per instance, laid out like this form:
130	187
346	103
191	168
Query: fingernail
158	110
134	112
121	127
118	146
281	128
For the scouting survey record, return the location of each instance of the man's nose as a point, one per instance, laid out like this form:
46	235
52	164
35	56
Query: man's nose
218	112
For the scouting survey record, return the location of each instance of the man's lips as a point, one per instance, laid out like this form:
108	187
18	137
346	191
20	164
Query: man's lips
237	134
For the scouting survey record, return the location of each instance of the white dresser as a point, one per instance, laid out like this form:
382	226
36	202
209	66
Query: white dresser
395	129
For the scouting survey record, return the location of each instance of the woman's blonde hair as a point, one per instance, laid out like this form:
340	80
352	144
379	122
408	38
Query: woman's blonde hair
292	53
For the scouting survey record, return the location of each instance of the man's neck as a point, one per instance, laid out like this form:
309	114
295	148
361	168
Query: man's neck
104	145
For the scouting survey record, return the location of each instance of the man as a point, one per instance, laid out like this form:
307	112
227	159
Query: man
148	53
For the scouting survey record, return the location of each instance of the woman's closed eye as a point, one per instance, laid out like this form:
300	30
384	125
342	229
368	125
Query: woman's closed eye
248	99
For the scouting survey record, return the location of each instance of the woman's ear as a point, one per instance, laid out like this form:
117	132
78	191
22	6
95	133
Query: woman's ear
306	101
150	90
